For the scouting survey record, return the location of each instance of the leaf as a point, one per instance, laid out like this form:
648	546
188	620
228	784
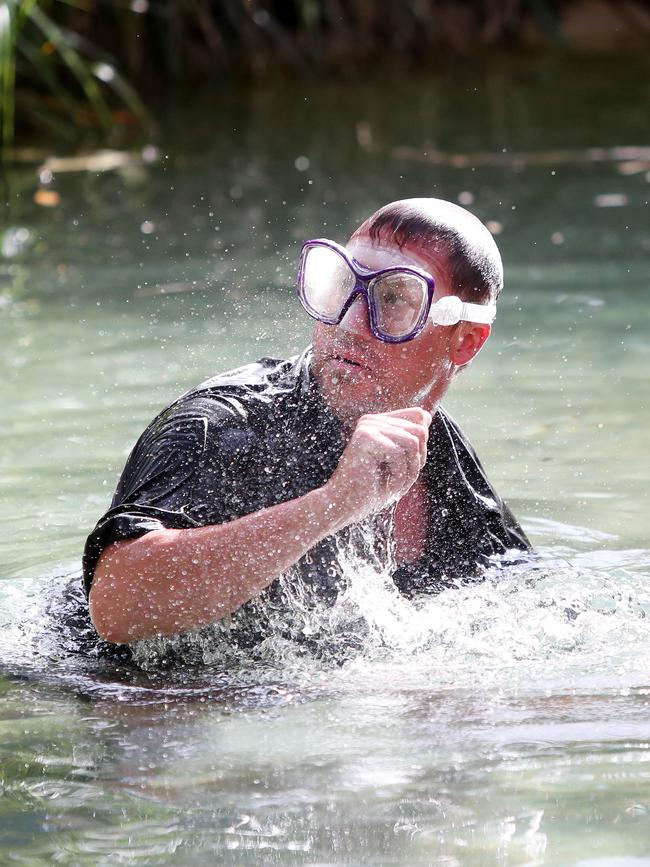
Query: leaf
7	74
75	63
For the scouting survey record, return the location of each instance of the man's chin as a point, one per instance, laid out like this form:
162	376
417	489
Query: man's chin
350	396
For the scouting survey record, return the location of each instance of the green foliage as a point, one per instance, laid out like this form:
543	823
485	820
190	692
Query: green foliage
62	74
8	29
65	62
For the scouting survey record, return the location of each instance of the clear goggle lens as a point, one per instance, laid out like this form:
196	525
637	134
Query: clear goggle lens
327	281
399	297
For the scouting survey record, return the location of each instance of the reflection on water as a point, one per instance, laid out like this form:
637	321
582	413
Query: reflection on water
505	723
502	723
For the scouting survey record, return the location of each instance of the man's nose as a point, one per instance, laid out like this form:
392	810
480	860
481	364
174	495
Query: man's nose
356	320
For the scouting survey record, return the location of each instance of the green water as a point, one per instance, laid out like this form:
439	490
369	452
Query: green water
505	732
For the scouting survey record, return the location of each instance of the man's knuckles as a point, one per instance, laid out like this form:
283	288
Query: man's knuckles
412	413
388	420
377	442
416	430
388	426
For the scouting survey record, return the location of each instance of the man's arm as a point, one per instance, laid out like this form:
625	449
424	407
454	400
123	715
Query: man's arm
169	581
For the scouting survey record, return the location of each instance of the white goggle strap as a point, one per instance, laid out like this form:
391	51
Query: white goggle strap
483	314
450	309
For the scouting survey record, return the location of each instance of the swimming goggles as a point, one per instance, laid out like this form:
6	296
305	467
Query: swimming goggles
398	298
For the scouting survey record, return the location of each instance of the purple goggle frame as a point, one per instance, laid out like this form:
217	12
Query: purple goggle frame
363	286
448	310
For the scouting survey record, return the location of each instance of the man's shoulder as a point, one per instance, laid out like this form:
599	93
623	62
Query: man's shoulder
215	424
238	403
261	380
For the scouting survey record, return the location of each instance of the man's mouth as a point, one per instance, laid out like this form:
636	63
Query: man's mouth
346	360
351	362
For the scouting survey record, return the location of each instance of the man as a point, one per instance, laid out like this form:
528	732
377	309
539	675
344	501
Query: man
265	469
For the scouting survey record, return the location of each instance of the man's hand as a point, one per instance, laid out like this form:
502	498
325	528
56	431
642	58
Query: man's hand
383	458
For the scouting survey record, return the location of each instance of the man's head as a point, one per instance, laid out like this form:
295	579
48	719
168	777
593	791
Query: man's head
440	228
357	372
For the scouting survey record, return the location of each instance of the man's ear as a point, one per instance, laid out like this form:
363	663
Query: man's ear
468	343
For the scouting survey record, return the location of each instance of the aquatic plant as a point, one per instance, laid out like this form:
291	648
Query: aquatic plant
59	59
62	73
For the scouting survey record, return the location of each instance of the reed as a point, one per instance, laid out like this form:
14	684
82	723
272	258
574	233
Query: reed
55	75
64	61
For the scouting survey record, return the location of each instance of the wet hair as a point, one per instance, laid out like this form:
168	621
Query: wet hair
472	255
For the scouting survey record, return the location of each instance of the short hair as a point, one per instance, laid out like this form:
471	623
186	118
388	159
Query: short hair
473	256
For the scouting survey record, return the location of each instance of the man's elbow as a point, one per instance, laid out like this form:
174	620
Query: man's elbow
106	601
107	628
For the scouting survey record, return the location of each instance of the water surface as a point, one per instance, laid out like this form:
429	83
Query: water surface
503	724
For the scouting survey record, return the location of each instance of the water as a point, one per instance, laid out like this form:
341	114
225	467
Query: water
506	723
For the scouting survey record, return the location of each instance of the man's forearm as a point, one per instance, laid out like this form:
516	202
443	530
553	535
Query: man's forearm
169	581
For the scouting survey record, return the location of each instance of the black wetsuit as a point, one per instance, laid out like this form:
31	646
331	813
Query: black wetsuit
261	435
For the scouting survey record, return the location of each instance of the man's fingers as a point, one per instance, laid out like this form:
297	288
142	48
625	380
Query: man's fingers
382	460
398	464
411	413
395	427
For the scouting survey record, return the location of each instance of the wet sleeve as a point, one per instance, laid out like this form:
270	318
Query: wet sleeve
179	475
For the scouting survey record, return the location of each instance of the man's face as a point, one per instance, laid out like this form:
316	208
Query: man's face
357	373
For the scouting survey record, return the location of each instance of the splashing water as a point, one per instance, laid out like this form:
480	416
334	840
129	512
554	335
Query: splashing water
564	619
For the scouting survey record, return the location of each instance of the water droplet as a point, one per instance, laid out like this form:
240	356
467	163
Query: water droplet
15	241
104	71
150	154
